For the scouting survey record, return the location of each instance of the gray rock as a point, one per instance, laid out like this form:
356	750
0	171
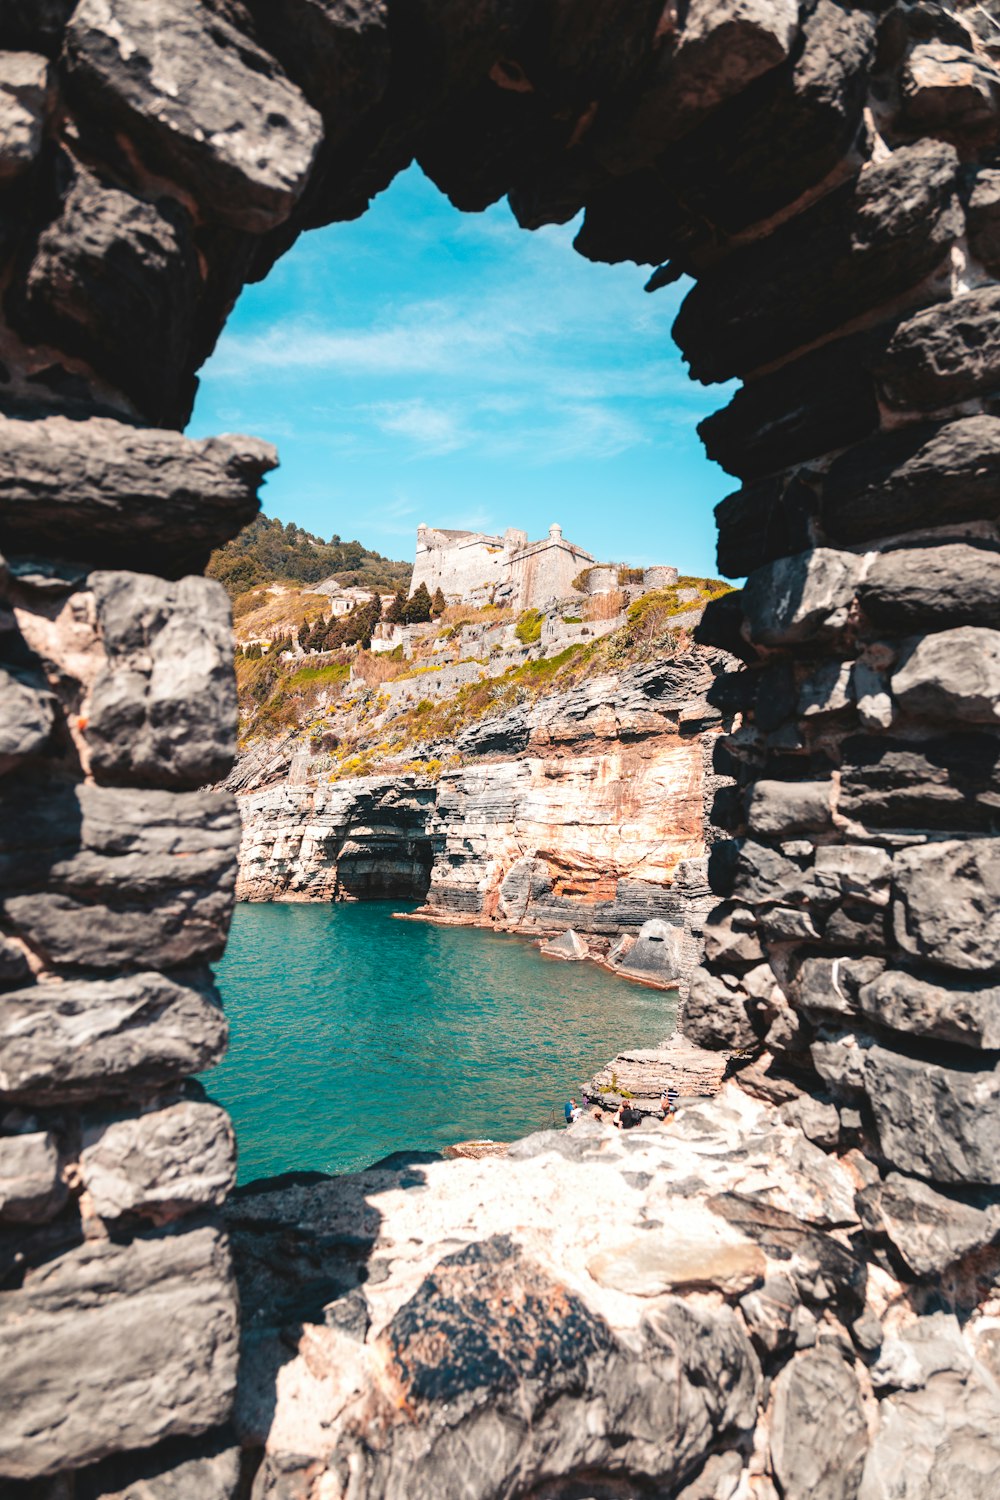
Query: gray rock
929	1230
768	1311
161	1165
948	90
27	716
830	986
941	1435
201	1468
800	598
938	1122
132	877
109	1347
25	95
14	967
954	676
107	263
943	355
782	808
164	709
818	1120
948	584
814	1457
243	147
839	1059
827	690
945	906
81	1039
718	1480
657	952
715	1015
730	935
983	216
953	1013
568	945
31	1188
123	495
925	475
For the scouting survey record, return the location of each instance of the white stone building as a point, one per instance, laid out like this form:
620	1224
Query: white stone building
472	567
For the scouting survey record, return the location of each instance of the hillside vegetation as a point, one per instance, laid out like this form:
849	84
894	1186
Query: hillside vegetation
270	551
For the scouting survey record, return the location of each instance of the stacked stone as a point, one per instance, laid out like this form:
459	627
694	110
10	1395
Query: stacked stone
824	170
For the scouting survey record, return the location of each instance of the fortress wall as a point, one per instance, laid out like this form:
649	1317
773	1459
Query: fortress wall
459	566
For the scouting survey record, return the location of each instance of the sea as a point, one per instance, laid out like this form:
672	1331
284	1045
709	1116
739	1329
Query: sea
354	1035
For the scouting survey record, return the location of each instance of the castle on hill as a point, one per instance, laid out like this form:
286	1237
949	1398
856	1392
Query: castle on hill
471	567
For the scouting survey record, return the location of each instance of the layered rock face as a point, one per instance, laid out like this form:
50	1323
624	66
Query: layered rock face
589	810
826	172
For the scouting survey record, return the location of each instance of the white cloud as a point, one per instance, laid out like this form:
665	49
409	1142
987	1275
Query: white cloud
431	428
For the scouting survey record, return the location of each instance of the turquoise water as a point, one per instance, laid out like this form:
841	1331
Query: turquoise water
353	1035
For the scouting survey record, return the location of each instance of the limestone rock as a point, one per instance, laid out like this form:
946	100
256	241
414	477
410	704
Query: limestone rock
963	930
244	147
730	934
111	1346
799	598
701	1252
107	264
27	716
657	953
915	476
943	355
950	584
715	1015
769	1311
131	877
967	1014
942	1431
161	1165
201	1468
815	1458
569	945
817	1119
81	1039
954	675
125	495
164	708
25	89
983	214
929	1230
31	1188
14	967
779	809
934	1121
948	781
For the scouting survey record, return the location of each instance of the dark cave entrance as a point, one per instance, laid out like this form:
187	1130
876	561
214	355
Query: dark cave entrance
381	869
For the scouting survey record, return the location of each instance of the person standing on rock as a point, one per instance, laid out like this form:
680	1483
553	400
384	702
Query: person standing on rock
568	1110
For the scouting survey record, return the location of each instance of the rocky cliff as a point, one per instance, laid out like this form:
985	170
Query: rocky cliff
587	809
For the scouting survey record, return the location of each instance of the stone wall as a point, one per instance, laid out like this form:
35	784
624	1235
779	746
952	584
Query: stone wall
826	173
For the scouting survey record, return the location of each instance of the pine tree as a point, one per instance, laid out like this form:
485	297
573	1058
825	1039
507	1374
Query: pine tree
303	637
418	607
394	614
438	605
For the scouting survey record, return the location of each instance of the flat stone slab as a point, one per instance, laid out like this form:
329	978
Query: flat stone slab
647	1073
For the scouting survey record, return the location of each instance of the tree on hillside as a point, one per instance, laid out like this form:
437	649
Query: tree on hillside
438	605
417	609
305	629
394	614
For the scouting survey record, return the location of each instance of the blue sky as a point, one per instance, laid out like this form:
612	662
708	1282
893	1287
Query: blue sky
425	365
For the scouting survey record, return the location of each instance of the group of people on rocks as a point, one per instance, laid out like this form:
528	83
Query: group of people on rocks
625	1116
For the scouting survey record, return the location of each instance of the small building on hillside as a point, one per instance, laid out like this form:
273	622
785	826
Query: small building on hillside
471	567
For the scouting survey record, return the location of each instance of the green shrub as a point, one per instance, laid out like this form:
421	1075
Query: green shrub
529	627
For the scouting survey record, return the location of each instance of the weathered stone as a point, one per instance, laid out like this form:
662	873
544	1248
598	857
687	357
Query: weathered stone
81	1039
25	89
946	908
161	1165
14	966
855	249
950	91
722	46
730	935
830	986
106	264
826	690
800	598
657	953
163	711
839	1059
200	1468
983	217
815	1458
780	808
568	945
823	401
916	476
941	1431
715	1016
131	877
244	147
817	1119
27	716
125	495
700	1251
954	1013
954	675
929	1230
117	1346
768	1313
949	584
944	355
950	781
766	520
31	1188
934	1121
